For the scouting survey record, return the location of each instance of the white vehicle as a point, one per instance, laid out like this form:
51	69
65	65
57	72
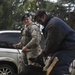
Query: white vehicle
10	58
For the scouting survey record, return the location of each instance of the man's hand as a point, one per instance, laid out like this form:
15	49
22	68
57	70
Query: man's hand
24	49
15	45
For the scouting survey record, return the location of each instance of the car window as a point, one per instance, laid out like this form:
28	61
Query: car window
8	39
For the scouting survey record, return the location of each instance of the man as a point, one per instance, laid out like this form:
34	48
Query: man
30	39
60	41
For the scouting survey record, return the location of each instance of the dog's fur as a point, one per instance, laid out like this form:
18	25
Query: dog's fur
32	70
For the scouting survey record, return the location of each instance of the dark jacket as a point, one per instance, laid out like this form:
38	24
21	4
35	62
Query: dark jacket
58	35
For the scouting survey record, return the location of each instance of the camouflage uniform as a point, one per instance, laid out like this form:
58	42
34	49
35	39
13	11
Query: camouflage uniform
31	37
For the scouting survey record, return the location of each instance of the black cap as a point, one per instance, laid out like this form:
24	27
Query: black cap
25	16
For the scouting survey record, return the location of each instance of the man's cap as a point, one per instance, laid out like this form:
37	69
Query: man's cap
25	16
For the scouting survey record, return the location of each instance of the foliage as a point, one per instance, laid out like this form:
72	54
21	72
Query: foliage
66	1
11	11
70	6
56	9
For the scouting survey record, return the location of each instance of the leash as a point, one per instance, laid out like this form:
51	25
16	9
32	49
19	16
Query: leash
21	57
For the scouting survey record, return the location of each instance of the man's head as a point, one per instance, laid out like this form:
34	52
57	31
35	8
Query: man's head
26	18
40	16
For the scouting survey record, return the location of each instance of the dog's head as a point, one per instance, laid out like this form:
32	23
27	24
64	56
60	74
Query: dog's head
38	62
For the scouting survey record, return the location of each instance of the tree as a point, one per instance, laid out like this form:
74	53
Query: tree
56	9
9	13
70	6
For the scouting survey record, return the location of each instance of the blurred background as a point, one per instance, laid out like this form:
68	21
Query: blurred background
11	11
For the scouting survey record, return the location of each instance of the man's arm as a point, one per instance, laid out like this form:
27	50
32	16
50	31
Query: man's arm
53	40
36	36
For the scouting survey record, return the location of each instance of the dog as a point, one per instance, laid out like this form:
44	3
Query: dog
39	69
